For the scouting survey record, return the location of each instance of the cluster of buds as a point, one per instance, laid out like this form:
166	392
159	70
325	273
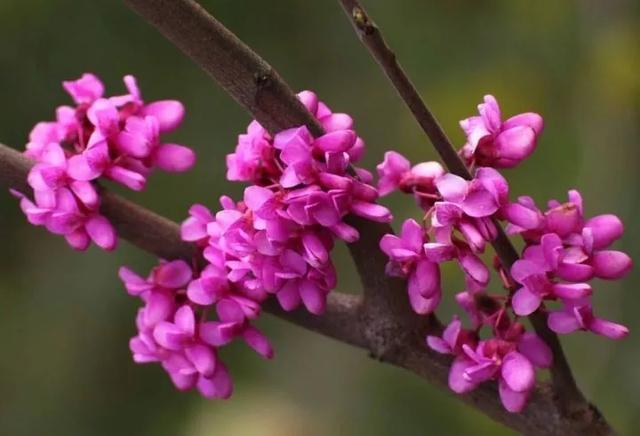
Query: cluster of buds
562	251
116	138
275	242
278	240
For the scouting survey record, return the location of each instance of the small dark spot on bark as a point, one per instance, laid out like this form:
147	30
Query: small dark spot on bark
262	79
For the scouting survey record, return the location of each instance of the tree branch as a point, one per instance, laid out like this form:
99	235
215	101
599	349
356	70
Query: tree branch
570	400
383	323
251	81
345	319
255	84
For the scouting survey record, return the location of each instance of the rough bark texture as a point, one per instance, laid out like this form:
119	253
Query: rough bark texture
381	321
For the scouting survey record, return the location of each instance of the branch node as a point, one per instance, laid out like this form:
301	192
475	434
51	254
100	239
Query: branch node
362	21
263	80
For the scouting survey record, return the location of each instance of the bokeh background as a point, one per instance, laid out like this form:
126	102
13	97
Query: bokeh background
65	368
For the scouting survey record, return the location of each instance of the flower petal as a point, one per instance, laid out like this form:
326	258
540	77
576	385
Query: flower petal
513	401
174	158
518	372
611	264
525	302
562	322
169	113
457	382
535	349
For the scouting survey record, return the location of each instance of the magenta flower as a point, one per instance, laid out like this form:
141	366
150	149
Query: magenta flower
158	290
189	361
234	323
116	138
332	122
496	359
396	173
278	240
494	143
511	360
51	173
295	283
66	215
578	315
469	205
407	258
574	248
194	228
169	333
453	338
85	90
254	157
127	155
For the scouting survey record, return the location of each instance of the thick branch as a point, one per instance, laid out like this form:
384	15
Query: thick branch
160	236
261	90
570	399
345	319
251	81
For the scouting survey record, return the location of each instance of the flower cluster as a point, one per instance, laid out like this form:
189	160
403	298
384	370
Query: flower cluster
562	251
494	143
117	138
275	242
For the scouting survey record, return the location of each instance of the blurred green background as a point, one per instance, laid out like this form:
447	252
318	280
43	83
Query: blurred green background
65	367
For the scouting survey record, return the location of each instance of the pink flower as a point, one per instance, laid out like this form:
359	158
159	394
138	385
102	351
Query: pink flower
85	90
332	122
189	361
116	138
66	215
408	259
469	205
533	275
574	248
194	228
234	323
51	173
494	143
127	155
513	364
453	338
254	157
172	275
510	358
169	333
578	315
158	290
396	173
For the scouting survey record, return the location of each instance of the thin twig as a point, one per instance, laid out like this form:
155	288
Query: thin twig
342	321
571	400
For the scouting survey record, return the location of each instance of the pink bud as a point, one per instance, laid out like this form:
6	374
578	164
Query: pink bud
611	264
